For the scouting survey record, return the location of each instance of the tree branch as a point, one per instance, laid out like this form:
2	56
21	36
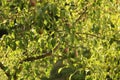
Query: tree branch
2	66
4	69
41	56
36	58
89	34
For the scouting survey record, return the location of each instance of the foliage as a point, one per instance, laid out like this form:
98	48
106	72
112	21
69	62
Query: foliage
60	40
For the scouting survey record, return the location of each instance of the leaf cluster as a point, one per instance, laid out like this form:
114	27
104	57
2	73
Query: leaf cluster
60	40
